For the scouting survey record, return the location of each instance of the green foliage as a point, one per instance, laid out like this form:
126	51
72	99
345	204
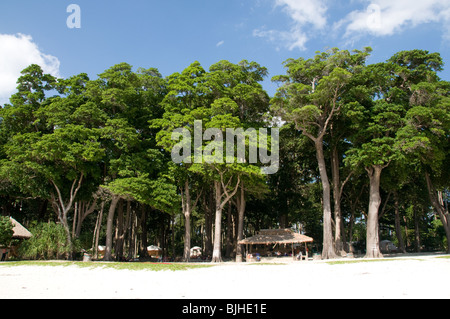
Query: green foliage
113	265
311	90
135	168
48	242
6	231
115	134
403	117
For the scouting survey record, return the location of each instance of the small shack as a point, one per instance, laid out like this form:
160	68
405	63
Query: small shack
101	251
196	252
154	251
20	232
270	238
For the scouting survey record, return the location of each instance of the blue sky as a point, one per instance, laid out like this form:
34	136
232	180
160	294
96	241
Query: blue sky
169	35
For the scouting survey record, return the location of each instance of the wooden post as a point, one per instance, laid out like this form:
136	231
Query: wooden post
306	252
293	256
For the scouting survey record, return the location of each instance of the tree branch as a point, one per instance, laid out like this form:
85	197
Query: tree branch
305	132
383	210
73	193
61	203
333	110
227	195
341	190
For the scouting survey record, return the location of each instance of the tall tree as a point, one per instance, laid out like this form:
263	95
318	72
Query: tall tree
379	140
425	141
55	146
134	167
237	91
186	101
310	97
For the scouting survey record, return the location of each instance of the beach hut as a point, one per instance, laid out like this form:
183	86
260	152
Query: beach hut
154	251
196	252
269	237
101	251
20	232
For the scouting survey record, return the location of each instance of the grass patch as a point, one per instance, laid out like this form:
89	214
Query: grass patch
112	265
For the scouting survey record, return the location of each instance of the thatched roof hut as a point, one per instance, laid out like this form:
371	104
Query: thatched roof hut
196	252
154	251
20	232
278	236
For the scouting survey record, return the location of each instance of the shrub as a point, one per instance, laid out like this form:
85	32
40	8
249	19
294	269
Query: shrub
6	231
48	242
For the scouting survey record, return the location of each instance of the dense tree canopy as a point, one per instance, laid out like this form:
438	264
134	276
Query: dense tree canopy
133	159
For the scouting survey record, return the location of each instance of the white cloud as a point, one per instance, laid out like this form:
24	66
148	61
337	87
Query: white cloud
306	16
389	17
311	19
220	43
16	53
292	39
305	11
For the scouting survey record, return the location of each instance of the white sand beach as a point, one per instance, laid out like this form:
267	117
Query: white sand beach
406	278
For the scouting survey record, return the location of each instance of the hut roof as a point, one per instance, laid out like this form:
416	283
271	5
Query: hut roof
20	232
280	236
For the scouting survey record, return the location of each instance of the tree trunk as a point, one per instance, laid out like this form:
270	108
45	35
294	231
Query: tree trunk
63	209
398	228
373	239
230	230
408	243
186	203
416	229
222	198
109	228
76	214
208	201
437	201
172	228
98	226
143	222
240	232
217	248
84	210
350	231
120	233
69	240
328	251
132	235
339	235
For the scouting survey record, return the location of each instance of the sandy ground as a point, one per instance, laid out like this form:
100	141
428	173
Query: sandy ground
412	277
